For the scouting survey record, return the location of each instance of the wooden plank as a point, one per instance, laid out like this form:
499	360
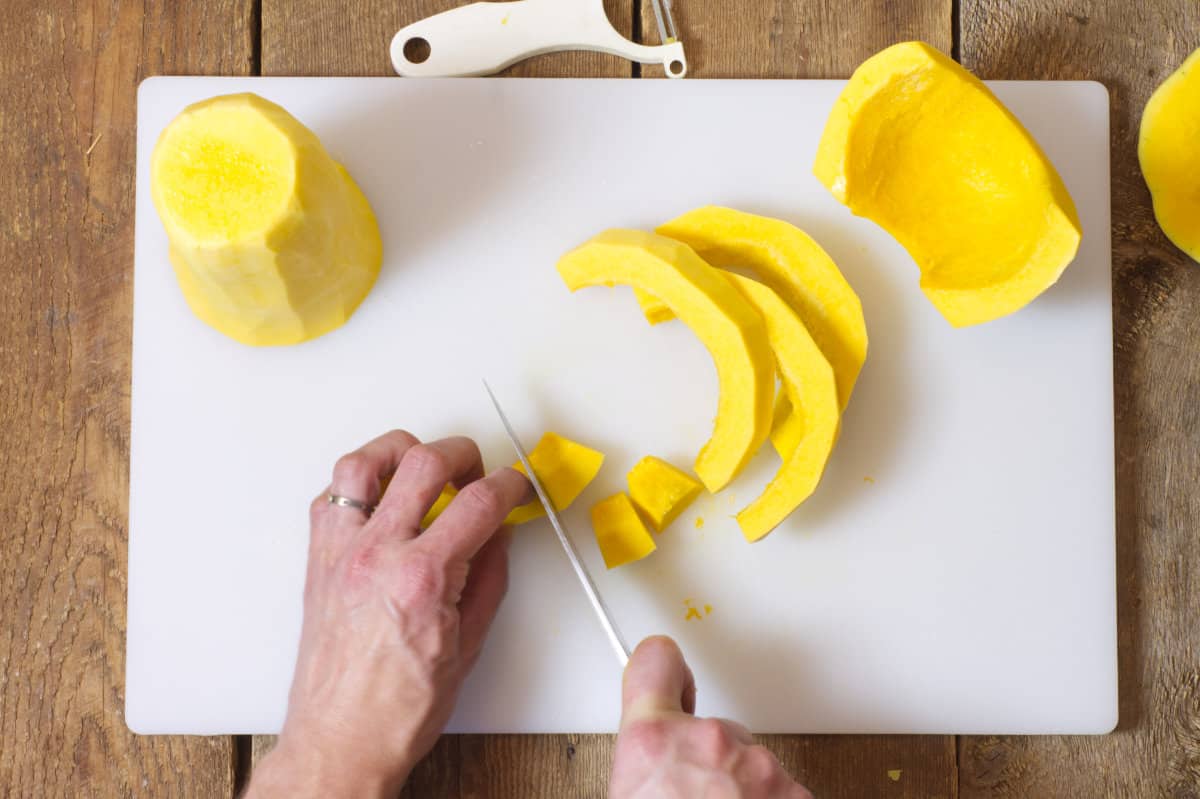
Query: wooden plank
803	39
308	37
67	143
724	39
1131	47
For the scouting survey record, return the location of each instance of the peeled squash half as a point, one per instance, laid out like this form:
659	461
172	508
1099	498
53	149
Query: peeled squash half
271	240
1169	151
708	303
919	145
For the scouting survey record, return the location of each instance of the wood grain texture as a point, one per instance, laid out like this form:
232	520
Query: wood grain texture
797	38
308	37
67	143
1130	47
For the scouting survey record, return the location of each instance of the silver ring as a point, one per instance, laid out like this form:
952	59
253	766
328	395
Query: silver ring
347	502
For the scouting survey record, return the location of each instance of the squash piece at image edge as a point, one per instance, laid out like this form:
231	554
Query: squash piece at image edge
620	533
922	147
271	240
728	326
661	491
1169	152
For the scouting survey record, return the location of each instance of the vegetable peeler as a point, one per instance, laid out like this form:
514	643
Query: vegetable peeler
484	38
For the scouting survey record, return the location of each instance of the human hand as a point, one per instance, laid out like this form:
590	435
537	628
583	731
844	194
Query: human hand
394	618
664	751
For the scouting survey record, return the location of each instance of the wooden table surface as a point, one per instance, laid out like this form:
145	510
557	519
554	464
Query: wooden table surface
67	112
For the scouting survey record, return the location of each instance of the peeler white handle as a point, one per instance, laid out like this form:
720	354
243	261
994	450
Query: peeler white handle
483	38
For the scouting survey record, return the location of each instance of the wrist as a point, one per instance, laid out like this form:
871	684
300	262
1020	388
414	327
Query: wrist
295	771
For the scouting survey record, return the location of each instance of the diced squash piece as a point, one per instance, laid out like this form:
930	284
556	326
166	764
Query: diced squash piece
660	491
271	240
564	467
443	500
811	387
787	259
622	536
720	317
1170	156
919	145
654	309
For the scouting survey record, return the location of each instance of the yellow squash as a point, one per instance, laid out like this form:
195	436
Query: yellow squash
271	240
922	147
654	309
785	258
787	427
1169	151
716	312
660	491
811	387
563	466
619	530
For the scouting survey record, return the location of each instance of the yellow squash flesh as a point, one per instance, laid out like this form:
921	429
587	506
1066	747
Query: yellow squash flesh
790	262
716	312
271	240
564	468
622	536
660	491
787	428
811	386
654	309
919	145
1169	151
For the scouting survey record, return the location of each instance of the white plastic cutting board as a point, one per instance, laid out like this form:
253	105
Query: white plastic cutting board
953	573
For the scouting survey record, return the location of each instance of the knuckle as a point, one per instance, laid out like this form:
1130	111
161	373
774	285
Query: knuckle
761	764
424	459
316	508
421	578
351	468
712	738
404	436
647	740
484	500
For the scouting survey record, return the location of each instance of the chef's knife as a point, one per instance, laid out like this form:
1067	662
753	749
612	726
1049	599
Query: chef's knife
602	612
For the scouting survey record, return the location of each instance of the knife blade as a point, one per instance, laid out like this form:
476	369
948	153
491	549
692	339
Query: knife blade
602	612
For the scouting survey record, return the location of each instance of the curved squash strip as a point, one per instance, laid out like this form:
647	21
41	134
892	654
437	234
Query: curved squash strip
271	239
785	258
919	145
811	387
720	317
1170	157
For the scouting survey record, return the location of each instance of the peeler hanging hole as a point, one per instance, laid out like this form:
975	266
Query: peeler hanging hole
675	67
416	50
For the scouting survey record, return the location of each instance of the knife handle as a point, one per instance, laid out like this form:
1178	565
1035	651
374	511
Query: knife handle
484	38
